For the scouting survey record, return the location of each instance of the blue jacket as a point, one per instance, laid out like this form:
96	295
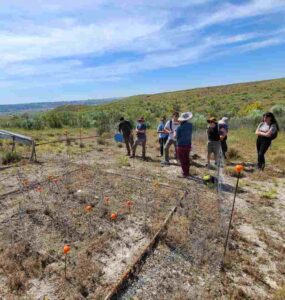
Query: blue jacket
184	134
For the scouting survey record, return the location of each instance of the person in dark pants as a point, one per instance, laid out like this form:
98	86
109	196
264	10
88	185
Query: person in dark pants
141	137
184	141
224	129
266	131
125	127
162	135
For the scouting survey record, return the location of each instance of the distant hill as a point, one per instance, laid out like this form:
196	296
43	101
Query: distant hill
230	100
243	103
44	106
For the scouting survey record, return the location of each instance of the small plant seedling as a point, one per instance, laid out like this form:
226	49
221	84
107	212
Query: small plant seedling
129	205
155	184
39	189
88	208
107	200
25	183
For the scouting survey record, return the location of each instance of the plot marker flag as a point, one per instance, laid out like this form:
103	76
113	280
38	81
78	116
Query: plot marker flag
238	169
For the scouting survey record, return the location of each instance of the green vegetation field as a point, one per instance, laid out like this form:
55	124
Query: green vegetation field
243	103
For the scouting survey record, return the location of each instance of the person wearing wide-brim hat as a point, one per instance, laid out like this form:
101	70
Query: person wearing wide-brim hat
214	143
141	137
184	142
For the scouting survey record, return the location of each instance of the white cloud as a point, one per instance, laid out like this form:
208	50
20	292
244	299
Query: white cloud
261	44
76	40
72	71
230	12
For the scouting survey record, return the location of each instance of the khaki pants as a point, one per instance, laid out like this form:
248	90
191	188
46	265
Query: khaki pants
141	142
167	146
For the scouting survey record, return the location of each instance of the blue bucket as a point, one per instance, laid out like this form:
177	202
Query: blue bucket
118	138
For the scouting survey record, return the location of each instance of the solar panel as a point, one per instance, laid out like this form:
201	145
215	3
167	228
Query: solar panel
16	137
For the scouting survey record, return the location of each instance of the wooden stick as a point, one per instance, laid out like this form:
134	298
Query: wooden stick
230	222
65	266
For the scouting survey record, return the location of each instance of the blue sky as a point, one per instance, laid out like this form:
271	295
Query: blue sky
58	50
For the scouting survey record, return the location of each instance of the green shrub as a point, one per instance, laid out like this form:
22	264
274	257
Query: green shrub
278	110
199	121
251	107
53	120
270	194
123	161
102	122
101	141
10	157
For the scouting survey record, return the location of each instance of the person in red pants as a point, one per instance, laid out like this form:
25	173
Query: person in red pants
184	141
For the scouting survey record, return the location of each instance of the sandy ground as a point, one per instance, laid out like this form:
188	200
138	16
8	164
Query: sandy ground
187	261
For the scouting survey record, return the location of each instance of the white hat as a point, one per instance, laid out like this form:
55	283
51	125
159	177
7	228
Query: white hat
224	120
185	116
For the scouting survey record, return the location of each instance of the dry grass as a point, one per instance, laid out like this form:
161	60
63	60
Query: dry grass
92	237
20	263
271	242
279	294
233	154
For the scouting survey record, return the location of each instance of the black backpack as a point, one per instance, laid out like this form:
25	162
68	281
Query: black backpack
274	135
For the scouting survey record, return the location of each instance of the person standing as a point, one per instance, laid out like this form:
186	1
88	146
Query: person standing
224	129
162	135
266	131
125	127
170	128
184	142
141	137
214	139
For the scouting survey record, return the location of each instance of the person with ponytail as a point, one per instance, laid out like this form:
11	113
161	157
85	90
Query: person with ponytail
266	131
